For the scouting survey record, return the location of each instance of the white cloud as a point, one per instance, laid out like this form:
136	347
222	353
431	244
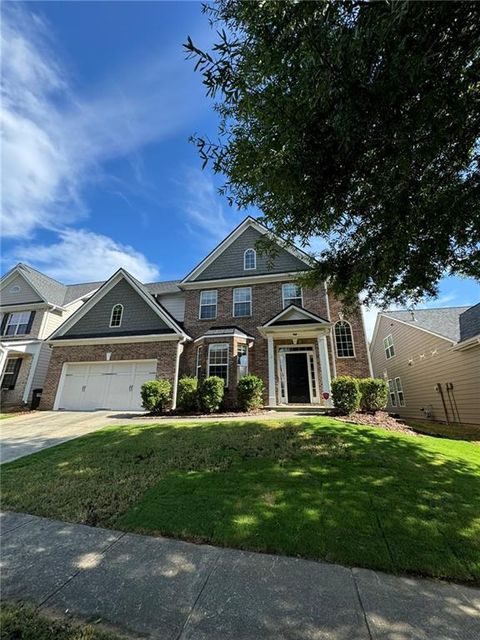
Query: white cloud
56	139
202	207
84	256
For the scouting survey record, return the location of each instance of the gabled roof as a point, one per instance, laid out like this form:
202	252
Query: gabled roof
79	291
225	332
220	248
161	288
292	315
167	318
470	323
444	321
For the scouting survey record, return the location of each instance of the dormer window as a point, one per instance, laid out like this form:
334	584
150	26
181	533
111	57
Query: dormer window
116	316
250	260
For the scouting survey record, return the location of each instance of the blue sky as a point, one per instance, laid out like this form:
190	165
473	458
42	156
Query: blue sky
98	173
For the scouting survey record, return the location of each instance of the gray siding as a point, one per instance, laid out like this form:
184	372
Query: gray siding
174	303
229	264
26	293
137	315
41	369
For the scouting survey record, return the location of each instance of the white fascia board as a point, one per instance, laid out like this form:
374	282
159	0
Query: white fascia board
242	280
303	330
467	344
154	337
219	249
300	310
409	324
12	308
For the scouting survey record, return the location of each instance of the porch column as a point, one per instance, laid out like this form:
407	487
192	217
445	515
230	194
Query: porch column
325	366
272	399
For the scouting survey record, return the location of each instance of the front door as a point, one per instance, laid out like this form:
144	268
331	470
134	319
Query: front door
298	384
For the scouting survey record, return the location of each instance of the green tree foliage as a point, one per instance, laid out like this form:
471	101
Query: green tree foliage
250	392
155	395
187	394
373	394
345	394
211	394
357	122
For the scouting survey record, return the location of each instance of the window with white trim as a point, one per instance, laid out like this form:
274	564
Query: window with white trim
218	361
242	302
242	360
344	339
15	289
391	393
399	390
17	323
10	373
116	315
292	294
250	260
388	346
208	305
198	363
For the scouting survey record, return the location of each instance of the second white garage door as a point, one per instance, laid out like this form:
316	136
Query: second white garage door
105	385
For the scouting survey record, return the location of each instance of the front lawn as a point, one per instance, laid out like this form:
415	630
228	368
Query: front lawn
316	487
454	431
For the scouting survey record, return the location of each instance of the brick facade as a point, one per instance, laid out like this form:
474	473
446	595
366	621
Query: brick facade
164	352
14	397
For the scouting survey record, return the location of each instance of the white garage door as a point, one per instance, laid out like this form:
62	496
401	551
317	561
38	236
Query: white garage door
105	385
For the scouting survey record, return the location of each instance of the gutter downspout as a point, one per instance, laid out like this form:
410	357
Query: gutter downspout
180	345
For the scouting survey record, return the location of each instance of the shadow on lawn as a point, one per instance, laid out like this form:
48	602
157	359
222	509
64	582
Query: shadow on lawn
346	494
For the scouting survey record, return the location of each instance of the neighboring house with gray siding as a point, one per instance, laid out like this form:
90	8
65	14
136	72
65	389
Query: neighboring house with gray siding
431	361
32	306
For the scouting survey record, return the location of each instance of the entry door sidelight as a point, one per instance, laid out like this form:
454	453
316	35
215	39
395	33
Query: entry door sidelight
298	383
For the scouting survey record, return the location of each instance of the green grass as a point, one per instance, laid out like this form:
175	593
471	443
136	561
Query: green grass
7	415
469	432
18	622
315	487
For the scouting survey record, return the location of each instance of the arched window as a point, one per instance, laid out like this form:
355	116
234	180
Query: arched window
116	317
344	339
250	259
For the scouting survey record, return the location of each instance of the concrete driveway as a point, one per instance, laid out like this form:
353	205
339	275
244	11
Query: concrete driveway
25	434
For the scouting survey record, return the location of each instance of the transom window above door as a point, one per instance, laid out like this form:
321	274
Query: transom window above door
292	294
250	260
242	302
208	305
116	316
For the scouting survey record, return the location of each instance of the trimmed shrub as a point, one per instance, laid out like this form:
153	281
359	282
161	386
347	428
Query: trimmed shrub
249	392
373	394
211	394
345	394
155	395
187	394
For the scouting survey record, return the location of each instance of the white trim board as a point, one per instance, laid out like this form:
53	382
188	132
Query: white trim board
153	337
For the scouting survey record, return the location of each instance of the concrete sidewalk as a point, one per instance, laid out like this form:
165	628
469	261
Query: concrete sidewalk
171	590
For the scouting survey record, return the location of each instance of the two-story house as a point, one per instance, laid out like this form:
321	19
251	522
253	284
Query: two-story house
431	361
235	312
32	305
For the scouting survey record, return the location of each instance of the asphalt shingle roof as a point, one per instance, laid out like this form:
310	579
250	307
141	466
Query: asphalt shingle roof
444	321
470	323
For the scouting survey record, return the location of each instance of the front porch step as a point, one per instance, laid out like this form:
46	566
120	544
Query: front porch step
297	408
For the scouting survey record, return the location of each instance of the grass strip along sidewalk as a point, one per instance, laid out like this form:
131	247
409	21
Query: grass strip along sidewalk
316	488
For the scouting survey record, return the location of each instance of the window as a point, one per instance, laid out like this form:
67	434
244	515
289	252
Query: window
400	394
218	361
10	373
344	339
250	259
391	393
18	323
208	305
242	360
15	289
198	363
389	348
292	294
242	302
116	317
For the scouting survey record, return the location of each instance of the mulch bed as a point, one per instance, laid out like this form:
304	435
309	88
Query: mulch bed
379	419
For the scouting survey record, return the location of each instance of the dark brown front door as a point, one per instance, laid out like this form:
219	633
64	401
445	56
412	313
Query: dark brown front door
298	386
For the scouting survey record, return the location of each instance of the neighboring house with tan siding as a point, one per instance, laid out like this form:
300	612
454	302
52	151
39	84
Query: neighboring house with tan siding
431	361
32	306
